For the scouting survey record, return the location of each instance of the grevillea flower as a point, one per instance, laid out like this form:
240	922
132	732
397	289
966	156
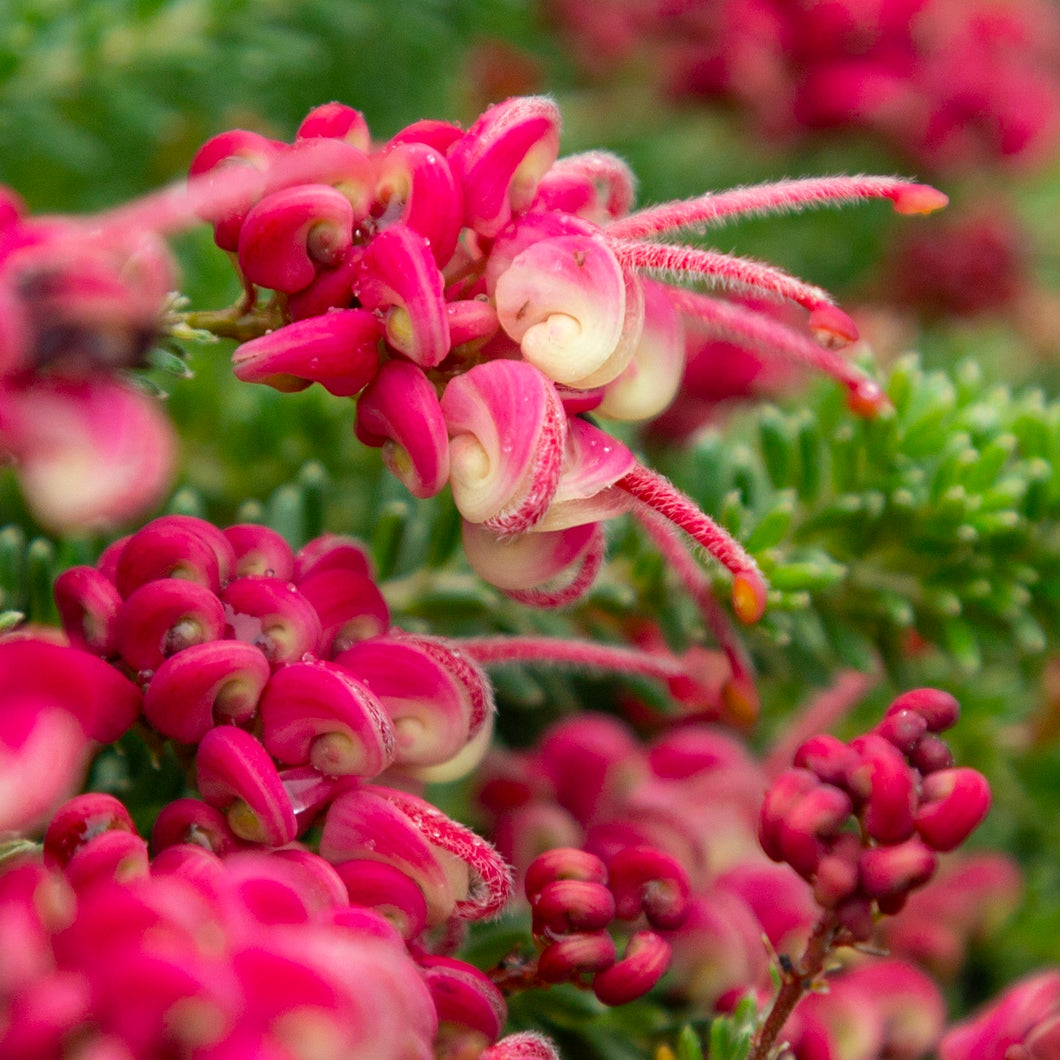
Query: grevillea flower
482	296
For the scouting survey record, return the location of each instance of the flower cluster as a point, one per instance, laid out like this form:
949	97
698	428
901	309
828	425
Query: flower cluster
949	82
81	301
480	296
864	821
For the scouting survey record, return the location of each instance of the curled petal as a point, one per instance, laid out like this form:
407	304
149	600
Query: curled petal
259	550
502	157
436	697
507	431
399	278
205	685
192	822
104	702
350	606
175	546
650	380
596	185
235	774
564	300
433	132
566	906
888	786
89	453
336	120
472	323
415	186
546	569
464	996
400	411
316	713
592	463
646	959
273	615
489	878
332	552
290	233
338	349
388	891
572	955
88	605
332	288
644	879
80	820
253	153
164	617
563	863
364	823
953	804
112	855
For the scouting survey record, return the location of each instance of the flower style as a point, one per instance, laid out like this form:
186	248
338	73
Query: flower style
484	297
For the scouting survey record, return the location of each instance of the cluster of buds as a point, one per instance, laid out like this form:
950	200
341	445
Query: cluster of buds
574	898
950	82
480	296
250	953
863	822
81	302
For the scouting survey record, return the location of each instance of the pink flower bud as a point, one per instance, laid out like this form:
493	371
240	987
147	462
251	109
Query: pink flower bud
436	698
332	552
931	754
784	793
464	996
502	157
472	323
235	774
643	964
434	132
595	185
192	822
828	757
855	915
332	288
336	120
272	615
939	709
364	824
350	606
89	453
48	677
573	955
175	546
389	891
888	871
204	685
289	233
644	879
563	863
414	185
237	147
566	906
903	728
315	713
573	310
835	878
310	792
259	550
399	279
88	605
506	441
164	617
80	820
400	412
953	803
813	818
112	855
888	787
